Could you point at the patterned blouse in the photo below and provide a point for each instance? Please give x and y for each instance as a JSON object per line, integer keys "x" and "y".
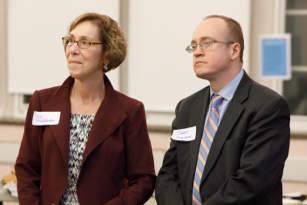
{"x": 80, "y": 127}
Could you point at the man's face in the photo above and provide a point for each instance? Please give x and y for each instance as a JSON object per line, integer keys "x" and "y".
{"x": 211, "y": 63}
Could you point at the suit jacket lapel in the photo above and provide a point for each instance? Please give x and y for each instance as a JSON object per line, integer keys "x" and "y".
{"x": 229, "y": 120}
{"x": 198, "y": 116}
{"x": 108, "y": 117}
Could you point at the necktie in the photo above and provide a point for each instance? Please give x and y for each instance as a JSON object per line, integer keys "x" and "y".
{"x": 205, "y": 145}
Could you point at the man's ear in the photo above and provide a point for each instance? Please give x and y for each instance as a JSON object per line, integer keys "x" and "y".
{"x": 236, "y": 49}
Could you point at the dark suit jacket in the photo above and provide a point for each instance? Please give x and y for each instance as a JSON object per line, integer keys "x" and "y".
{"x": 246, "y": 160}
{"x": 117, "y": 166}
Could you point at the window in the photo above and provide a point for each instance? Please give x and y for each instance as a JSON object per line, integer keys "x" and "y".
{"x": 21, "y": 104}
{"x": 26, "y": 99}
{"x": 295, "y": 90}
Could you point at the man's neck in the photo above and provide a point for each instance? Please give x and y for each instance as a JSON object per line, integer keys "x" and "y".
{"x": 219, "y": 82}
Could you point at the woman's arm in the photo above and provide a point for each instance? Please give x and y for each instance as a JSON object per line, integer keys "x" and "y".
{"x": 140, "y": 170}
{"x": 28, "y": 163}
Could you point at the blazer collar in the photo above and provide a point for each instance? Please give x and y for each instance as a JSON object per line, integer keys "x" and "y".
{"x": 108, "y": 117}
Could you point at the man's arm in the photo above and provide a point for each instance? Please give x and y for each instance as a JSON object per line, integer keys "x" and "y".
{"x": 167, "y": 188}
{"x": 262, "y": 159}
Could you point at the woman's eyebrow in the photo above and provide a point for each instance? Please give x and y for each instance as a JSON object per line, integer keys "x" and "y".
{"x": 81, "y": 37}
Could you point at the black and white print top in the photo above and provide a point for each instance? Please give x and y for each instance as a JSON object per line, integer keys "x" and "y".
{"x": 80, "y": 127}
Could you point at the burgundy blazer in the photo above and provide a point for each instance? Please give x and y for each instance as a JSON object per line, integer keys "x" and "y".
{"x": 117, "y": 166}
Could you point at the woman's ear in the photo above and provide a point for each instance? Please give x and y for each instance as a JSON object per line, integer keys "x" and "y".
{"x": 104, "y": 61}
{"x": 104, "y": 65}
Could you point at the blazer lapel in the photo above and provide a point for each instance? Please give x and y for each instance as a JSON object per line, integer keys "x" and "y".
{"x": 198, "y": 116}
{"x": 61, "y": 102}
{"x": 108, "y": 117}
{"x": 229, "y": 120}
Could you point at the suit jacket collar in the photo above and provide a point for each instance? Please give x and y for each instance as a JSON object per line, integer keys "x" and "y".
{"x": 232, "y": 114}
{"x": 108, "y": 117}
{"x": 198, "y": 116}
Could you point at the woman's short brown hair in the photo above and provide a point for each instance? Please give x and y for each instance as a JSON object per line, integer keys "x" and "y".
{"x": 114, "y": 45}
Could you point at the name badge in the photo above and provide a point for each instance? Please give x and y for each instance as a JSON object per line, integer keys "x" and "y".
{"x": 45, "y": 118}
{"x": 187, "y": 134}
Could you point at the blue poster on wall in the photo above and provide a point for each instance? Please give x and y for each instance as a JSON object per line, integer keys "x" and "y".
{"x": 275, "y": 56}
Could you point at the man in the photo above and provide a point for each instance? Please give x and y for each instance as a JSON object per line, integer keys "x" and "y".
{"x": 241, "y": 129}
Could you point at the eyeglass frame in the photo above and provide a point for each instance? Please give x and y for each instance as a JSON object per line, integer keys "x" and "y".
{"x": 209, "y": 44}
{"x": 66, "y": 37}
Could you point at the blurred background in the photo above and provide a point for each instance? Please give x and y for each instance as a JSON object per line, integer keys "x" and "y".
{"x": 157, "y": 70}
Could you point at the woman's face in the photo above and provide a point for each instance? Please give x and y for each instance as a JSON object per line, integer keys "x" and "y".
{"x": 84, "y": 63}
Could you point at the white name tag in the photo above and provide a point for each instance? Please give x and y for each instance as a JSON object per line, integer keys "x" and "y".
{"x": 46, "y": 118}
{"x": 187, "y": 134}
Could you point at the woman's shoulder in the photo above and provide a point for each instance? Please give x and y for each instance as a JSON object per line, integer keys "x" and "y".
{"x": 127, "y": 102}
{"x": 60, "y": 90}
{"x": 124, "y": 98}
{"x": 44, "y": 95}
{"x": 48, "y": 91}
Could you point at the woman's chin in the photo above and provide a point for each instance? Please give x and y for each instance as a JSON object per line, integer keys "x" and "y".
{"x": 75, "y": 75}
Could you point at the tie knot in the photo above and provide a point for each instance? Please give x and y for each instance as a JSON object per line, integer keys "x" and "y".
{"x": 216, "y": 100}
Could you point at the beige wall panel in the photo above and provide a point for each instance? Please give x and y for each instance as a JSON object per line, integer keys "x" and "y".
{"x": 160, "y": 70}
{"x": 36, "y": 58}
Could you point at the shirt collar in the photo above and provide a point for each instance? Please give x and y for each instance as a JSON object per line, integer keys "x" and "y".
{"x": 228, "y": 91}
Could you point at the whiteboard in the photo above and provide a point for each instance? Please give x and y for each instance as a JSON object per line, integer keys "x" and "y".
{"x": 36, "y": 57}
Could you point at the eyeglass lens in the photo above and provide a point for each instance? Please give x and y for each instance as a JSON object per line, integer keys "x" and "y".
{"x": 80, "y": 43}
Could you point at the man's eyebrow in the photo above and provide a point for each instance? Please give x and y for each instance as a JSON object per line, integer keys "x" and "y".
{"x": 202, "y": 38}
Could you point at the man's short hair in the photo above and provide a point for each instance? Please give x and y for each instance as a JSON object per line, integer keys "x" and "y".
{"x": 235, "y": 31}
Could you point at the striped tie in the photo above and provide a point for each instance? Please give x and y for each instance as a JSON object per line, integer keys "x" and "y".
{"x": 205, "y": 145}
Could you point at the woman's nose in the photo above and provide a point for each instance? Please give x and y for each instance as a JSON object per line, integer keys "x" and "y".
{"x": 74, "y": 48}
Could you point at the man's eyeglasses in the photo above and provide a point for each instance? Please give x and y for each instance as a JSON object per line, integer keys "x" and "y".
{"x": 83, "y": 44}
{"x": 203, "y": 44}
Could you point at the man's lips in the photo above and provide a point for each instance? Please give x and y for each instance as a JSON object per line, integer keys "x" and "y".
{"x": 199, "y": 62}
{"x": 74, "y": 61}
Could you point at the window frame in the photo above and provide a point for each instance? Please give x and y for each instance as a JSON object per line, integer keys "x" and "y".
{"x": 297, "y": 122}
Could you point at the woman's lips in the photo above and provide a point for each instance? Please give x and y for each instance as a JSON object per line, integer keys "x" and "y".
{"x": 74, "y": 61}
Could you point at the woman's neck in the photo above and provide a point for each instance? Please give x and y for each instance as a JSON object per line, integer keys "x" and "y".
{"x": 87, "y": 95}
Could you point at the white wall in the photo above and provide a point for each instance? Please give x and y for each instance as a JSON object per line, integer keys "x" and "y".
{"x": 160, "y": 70}
{"x": 36, "y": 58}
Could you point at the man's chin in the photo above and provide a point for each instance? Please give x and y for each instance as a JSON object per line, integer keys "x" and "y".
{"x": 202, "y": 75}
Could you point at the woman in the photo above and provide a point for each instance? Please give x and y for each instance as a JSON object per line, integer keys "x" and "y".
{"x": 99, "y": 151}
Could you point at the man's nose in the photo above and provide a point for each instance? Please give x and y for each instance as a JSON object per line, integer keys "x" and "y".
{"x": 199, "y": 51}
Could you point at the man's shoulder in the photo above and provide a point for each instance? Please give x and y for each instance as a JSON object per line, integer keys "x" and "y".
{"x": 263, "y": 91}
{"x": 255, "y": 96}
{"x": 197, "y": 95}
{"x": 249, "y": 88}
